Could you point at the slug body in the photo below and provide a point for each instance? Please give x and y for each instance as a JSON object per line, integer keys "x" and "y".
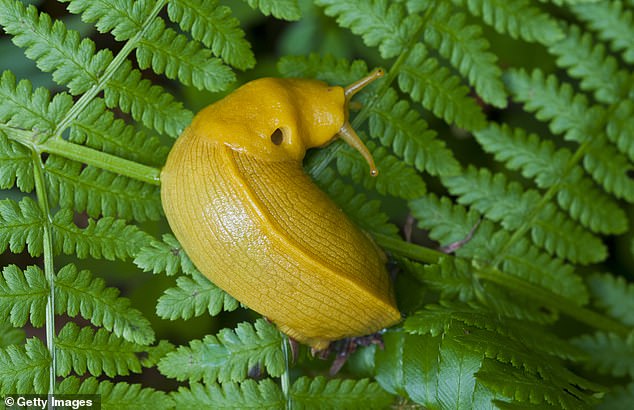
{"x": 237, "y": 199}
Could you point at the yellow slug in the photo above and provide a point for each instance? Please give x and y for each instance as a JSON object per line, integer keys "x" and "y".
{"x": 238, "y": 200}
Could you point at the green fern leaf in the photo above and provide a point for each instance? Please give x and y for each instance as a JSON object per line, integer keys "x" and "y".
{"x": 609, "y": 168}
{"x": 147, "y": 103}
{"x": 526, "y": 387}
{"x": 21, "y": 225}
{"x": 321, "y": 393}
{"x": 97, "y": 127}
{"x": 608, "y": 353}
{"x": 25, "y": 108}
{"x": 281, "y": 9}
{"x": 395, "y": 124}
{"x": 192, "y": 297}
{"x": 78, "y": 293}
{"x": 620, "y": 127}
{"x": 364, "y": 212}
{"x": 166, "y": 51}
{"x": 24, "y": 369}
{"x": 100, "y": 192}
{"x": 214, "y": 26}
{"x": 23, "y": 295}
{"x": 325, "y": 68}
{"x": 167, "y": 256}
{"x": 438, "y": 90}
{"x": 264, "y": 394}
{"x": 16, "y": 165}
{"x": 379, "y": 22}
{"x": 567, "y": 111}
{"x": 509, "y": 204}
{"x": 10, "y": 335}
{"x": 118, "y": 396}
{"x": 519, "y": 19}
{"x": 107, "y": 237}
{"x": 53, "y": 47}
{"x": 587, "y": 61}
{"x": 395, "y": 178}
{"x": 228, "y": 356}
{"x": 613, "y": 21}
{"x": 83, "y": 350}
{"x": 450, "y": 276}
{"x": 538, "y": 160}
{"x": 613, "y": 294}
{"x": 467, "y": 50}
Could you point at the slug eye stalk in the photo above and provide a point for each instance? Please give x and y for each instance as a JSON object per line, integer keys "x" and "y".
{"x": 346, "y": 132}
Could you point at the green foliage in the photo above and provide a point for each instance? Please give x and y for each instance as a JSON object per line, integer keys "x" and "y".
{"x": 503, "y": 131}
{"x": 228, "y": 356}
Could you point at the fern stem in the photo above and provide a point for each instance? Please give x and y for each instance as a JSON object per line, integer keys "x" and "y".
{"x": 101, "y": 160}
{"x": 408, "y": 250}
{"x": 109, "y": 72}
{"x": 486, "y": 272}
{"x": 551, "y": 300}
{"x": 49, "y": 267}
{"x": 285, "y": 379}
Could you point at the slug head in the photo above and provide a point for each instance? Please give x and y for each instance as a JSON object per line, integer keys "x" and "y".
{"x": 279, "y": 119}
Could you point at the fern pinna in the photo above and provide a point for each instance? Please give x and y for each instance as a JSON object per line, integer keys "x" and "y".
{"x": 519, "y": 168}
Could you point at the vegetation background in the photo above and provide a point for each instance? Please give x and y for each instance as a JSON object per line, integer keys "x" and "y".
{"x": 512, "y": 121}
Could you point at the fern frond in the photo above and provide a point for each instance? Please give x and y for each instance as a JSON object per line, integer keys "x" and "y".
{"x": 539, "y": 160}
{"x": 10, "y": 335}
{"x": 321, "y": 393}
{"x": 509, "y": 204}
{"x": 398, "y": 126}
{"x": 613, "y": 294}
{"x": 100, "y": 192}
{"x": 467, "y": 50}
{"x": 192, "y": 297}
{"x": 167, "y": 256}
{"x": 213, "y": 25}
{"x": 379, "y": 22}
{"x": 83, "y": 350}
{"x": 78, "y": 293}
{"x": 587, "y": 61}
{"x": 227, "y": 356}
{"x": 54, "y": 48}
{"x": 23, "y": 295}
{"x": 118, "y": 395}
{"x": 364, "y": 212}
{"x": 568, "y": 113}
{"x": 281, "y": 9}
{"x": 620, "y": 127}
{"x": 21, "y": 225}
{"x": 438, "y": 90}
{"x": 451, "y": 277}
{"x": 608, "y": 353}
{"x": 24, "y": 369}
{"x": 16, "y": 165}
{"x": 107, "y": 237}
{"x": 526, "y": 387}
{"x": 22, "y": 107}
{"x": 166, "y": 51}
{"x": 97, "y": 127}
{"x": 264, "y": 394}
{"x": 323, "y": 67}
{"x": 613, "y": 21}
{"x": 147, "y": 103}
{"x": 395, "y": 178}
{"x": 519, "y": 19}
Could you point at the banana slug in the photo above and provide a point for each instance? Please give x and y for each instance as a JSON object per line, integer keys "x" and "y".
{"x": 238, "y": 200}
